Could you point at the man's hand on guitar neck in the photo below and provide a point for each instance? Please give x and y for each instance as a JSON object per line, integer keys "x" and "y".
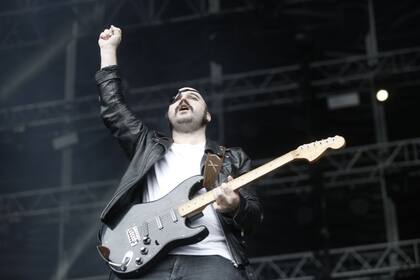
{"x": 227, "y": 200}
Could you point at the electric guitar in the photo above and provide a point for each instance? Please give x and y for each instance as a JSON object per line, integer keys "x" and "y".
{"x": 148, "y": 231}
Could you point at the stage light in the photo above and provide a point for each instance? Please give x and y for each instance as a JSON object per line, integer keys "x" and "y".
{"x": 382, "y": 95}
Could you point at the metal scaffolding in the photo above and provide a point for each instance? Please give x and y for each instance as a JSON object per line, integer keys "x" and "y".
{"x": 344, "y": 263}
{"x": 21, "y": 26}
{"x": 241, "y": 91}
{"x": 349, "y": 167}
{"x": 49, "y": 200}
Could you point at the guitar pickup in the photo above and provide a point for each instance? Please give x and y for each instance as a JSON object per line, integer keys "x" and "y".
{"x": 145, "y": 229}
{"x": 173, "y": 216}
{"x": 159, "y": 222}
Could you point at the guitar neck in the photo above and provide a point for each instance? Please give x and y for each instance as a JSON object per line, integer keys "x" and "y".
{"x": 198, "y": 203}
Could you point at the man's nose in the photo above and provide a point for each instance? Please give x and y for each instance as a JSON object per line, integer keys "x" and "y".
{"x": 183, "y": 100}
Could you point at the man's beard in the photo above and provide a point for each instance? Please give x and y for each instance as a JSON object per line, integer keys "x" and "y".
{"x": 189, "y": 125}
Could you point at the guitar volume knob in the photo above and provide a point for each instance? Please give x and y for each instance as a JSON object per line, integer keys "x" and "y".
{"x": 144, "y": 250}
{"x": 146, "y": 240}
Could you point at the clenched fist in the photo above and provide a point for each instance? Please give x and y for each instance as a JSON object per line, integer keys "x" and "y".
{"x": 110, "y": 38}
{"x": 108, "y": 42}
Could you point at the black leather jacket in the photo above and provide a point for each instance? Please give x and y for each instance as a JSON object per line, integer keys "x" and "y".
{"x": 145, "y": 147}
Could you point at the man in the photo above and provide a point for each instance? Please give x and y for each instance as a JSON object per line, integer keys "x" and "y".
{"x": 158, "y": 164}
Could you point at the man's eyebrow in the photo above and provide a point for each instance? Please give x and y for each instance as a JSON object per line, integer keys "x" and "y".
{"x": 189, "y": 93}
{"x": 195, "y": 94}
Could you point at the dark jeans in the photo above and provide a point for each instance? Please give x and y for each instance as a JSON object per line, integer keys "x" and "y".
{"x": 180, "y": 267}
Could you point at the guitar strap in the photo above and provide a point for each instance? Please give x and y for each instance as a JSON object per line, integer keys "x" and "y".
{"x": 212, "y": 168}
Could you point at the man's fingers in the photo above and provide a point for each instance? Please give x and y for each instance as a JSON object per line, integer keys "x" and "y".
{"x": 216, "y": 206}
{"x": 226, "y": 189}
{"x": 220, "y": 196}
{"x": 115, "y": 29}
{"x": 226, "y": 199}
{"x": 217, "y": 193}
{"x": 108, "y": 32}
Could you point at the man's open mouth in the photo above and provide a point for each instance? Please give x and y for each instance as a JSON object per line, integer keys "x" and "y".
{"x": 184, "y": 107}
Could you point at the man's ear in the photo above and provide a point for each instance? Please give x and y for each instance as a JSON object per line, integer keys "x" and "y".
{"x": 208, "y": 117}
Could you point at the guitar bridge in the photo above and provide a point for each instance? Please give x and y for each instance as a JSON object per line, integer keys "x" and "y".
{"x": 133, "y": 236}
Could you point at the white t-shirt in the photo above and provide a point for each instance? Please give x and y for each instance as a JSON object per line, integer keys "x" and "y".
{"x": 181, "y": 162}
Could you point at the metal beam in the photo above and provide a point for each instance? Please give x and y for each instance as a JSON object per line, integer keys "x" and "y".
{"x": 264, "y": 87}
{"x": 153, "y": 12}
{"x": 48, "y": 201}
{"x": 352, "y": 166}
{"x": 348, "y": 167}
{"x": 21, "y": 23}
{"x": 346, "y": 262}
{"x": 66, "y": 154}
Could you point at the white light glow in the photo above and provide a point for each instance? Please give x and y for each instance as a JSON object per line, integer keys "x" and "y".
{"x": 382, "y": 95}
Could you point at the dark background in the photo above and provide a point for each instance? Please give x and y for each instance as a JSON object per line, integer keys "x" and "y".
{"x": 243, "y": 36}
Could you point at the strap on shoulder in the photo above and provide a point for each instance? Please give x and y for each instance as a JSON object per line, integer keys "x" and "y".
{"x": 212, "y": 168}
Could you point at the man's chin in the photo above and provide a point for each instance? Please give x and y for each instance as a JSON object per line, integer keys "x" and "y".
{"x": 183, "y": 121}
{"x": 186, "y": 126}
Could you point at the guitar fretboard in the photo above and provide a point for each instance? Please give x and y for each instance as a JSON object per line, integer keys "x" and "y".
{"x": 198, "y": 203}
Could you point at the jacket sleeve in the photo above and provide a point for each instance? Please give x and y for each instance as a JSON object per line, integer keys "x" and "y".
{"x": 116, "y": 115}
{"x": 249, "y": 215}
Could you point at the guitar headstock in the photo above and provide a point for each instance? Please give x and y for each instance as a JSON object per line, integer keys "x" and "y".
{"x": 314, "y": 150}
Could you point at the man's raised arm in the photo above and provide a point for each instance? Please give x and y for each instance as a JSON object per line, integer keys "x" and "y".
{"x": 122, "y": 123}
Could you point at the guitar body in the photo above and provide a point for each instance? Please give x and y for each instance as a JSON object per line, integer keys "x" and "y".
{"x": 148, "y": 231}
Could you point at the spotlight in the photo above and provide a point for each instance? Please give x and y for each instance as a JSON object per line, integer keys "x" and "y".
{"x": 382, "y": 95}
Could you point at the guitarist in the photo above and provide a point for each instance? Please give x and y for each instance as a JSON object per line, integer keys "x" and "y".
{"x": 159, "y": 163}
